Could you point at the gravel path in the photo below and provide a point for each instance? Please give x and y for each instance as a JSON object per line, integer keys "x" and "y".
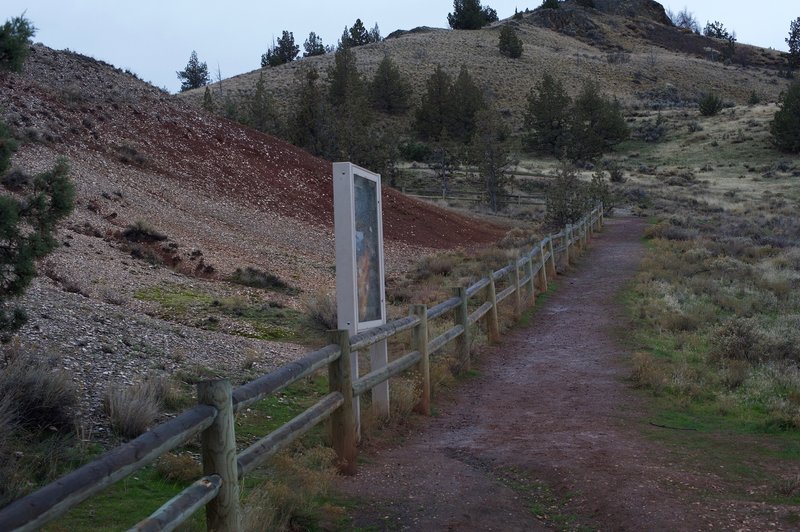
{"x": 549, "y": 435}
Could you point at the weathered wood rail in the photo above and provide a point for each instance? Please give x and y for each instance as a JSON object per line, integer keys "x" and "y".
{"x": 213, "y": 417}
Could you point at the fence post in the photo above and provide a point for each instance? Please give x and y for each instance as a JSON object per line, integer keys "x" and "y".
{"x": 218, "y": 443}
{"x": 542, "y": 270}
{"x": 551, "y": 268}
{"x": 602, "y": 215}
{"x": 420, "y": 343}
{"x": 343, "y": 420}
{"x": 531, "y": 285}
{"x": 462, "y": 318}
{"x": 517, "y": 287}
{"x": 567, "y": 238}
{"x": 492, "y": 323}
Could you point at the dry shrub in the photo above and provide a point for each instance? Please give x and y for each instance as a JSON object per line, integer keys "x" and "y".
{"x": 441, "y": 371}
{"x": 288, "y": 500}
{"x": 518, "y": 238}
{"x": 132, "y": 410}
{"x": 734, "y": 373}
{"x": 321, "y": 311}
{"x": 441, "y": 264}
{"x": 178, "y": 468}
{"x": 647, "y": 373}
{"x": 493, "y": 259}
{"x": 736, "y": 339}
{"x": 757, "y": 340}
{"x": 667, "y": 231}
{"x": 35, "y": 395}
{"x": 404, "y": 395}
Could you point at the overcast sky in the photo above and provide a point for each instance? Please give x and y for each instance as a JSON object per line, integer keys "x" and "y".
{"x": 155, "y": 38}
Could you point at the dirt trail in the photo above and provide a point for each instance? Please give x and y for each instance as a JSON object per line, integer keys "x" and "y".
{"x": 548, "y": 436}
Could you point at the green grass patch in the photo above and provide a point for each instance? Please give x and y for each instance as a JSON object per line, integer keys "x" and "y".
{"x": 124, "y": 504}
{"x": 242, "y": 316}
{"x": 136, "y": 497}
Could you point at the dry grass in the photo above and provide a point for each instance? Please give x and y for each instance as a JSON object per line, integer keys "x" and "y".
{"x": 648, "y": 76}
{"x": 287, "y": 500}
{"x": 718, "y": 296}
{"x": 321, "y": 311}
{"x": 132, "y": 410}
{"x": 178, "y": 468}
{"x": 34, "y": 394}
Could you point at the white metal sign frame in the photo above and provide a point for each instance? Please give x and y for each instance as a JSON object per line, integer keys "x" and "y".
{"x": 360, "y": 287}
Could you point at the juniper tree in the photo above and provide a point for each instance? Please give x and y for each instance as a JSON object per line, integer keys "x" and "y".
{"x": 465, "y": 100}
{"x": 309, "y": 116}
{"x": 597, "y": 124}
{"x": 432, "y": 116}
{"x": 470, "y": 15}
{"x": 261, "y": 109}
{"x": 510, "y": 44}
{"x": 313, "y": 45}
{"x": 389, "y": 90}
{"x": 547, "y": 116}
{"x": 27, "y": 230}
{"x": 15, "y": 36}
{"x": 282, "y": 52}
{"x": 208, "y": 100}
{"x": 359, "y": 36}
{"x": 793, "y": 40}
{"x": 195, "y": 75}
{"x": 490, "y": 153}
{"x": 785, "y": 126}
{"x": 351, "y": 114}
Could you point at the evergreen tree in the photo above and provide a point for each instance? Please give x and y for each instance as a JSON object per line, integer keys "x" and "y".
{"x": 282, "y": 52}
{"x": 351, "y": 115}
{"x": 793, "y": 40}
{"x": 566, "y": 197}
{"x": 547, "y": 116}
{"x": 375, "y": 34}
{"x": 389, "y": 90}
{"x": 261, "y": 109}
{"x": 208, "y": 100}
{"x": 308, "y": 119}
{"x": 432, "y": 117}
{"x": 359, "y": 36}
{"x": 465, "y": 100}
{"x": 785, "y": 127}
{"x": 489, "y": 152}
{"x": 470, "y": 15}
{"x": 7, "y": 148}
{"x": 313, "y": 45}
{"x": 344, "y": 80}
{"x": 27, "y": 231}
{"x": 550, "y": 4}
{"x": 510, "y": 44}
{"x": 15, "y": 37}
{"x": 597, "y": 124}
{"x": 195, "y": 75}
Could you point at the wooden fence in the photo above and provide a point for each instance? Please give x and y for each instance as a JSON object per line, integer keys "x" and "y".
{"x": 213, "y": 417}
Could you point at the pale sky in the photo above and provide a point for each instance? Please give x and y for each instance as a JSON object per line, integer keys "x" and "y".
{"x": 155, "y": 38}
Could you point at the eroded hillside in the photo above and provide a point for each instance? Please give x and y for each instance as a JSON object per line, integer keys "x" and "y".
{"x": 211, "y": 196}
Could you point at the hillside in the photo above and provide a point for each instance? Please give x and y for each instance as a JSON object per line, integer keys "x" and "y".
{"x": 214, "y": 195}
{"x": 628, "y": 48}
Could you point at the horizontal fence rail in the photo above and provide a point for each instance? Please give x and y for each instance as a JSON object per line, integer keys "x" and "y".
{"x": 213, "y": 419}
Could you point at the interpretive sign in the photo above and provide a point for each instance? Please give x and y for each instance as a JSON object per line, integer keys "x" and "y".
{"x": 360, "y": 294}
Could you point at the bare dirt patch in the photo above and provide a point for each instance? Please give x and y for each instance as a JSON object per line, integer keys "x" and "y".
{"x": 550, "y": 435}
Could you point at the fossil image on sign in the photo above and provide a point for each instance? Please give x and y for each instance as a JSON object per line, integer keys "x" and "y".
{"x": 367, "y": 246}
